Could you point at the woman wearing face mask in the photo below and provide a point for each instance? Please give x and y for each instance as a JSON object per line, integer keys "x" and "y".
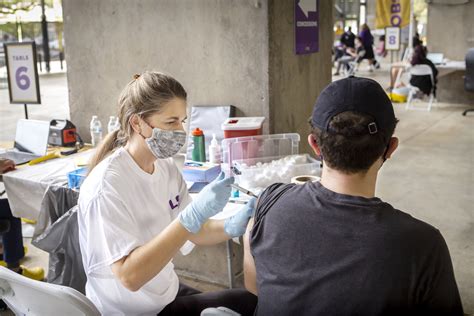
{"x": 135, "y": 212}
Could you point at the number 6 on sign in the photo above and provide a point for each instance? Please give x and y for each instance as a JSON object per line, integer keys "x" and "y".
{"x": 22, "y": 80}
{"x": 23, "y": 83}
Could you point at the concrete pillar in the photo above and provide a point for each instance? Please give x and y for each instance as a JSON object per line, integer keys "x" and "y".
{"x": 450, "y": 28}
{"x": 222, "y": 51}
{"x": 371, "y": 13}
{"x": 296, "y": 80}
{"x": 218, "y": 50}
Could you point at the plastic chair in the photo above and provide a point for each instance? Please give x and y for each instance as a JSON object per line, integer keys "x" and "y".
{"x": 29, "y": 297}
{"x": 420, "y": 70}
{"x": 219, "y": 311}
{"x": 350, "y": 69}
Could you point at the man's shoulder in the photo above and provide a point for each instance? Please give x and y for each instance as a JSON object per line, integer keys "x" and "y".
{"x": 407, "y": 221}
{"x": 269, "y": 196}
{"x": 403, "y": 228}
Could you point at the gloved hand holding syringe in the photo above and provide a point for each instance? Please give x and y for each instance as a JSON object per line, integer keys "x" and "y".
{"x": 245, "y": 191}
{"x": 210, "y": 201}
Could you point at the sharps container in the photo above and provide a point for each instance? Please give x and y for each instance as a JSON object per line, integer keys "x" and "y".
{"x": 242, "y": 126}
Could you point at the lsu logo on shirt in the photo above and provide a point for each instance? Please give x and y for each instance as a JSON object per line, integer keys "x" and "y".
{"x": 174, "y": 203}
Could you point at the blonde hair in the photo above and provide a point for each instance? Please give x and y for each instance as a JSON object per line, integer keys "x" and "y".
{"x": 145, "y": 95}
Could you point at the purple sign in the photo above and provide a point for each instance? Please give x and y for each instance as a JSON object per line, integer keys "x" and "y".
{"x": 306, "y": 26}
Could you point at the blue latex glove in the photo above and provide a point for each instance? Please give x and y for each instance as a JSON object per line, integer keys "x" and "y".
{"x": 236, "y": 225}
{"x": 210, "y": 201}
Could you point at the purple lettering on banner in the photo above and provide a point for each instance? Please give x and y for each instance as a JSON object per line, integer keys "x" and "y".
{"x": 306, "y": 26}
{"x": 396, "y": 8}
{"x": 395, "y": 20}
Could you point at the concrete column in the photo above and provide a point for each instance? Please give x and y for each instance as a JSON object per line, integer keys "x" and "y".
{"x": 218, "y": 50}
{"x": 450, "y": 28}
{"x": 222, "y": 51}
{"x": 295, "y": 81}
{"x": 371, "y": 13}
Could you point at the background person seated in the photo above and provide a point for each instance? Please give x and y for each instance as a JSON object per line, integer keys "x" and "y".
{"x": 351, "y": 55}
{"x": 423, "y": 82}
{"x": 332, "y": 247}
{"x": 380, "y": 49}
{"x": 418, "y": 57}
{"x": 348, "y": 38}
{"x": 11, "y": 249}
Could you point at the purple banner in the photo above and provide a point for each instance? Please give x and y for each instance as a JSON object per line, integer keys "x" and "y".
{"x": 306, "y": 26}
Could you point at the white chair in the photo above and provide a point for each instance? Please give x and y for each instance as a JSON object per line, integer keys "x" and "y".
{"x": 420, "y": 70}
{"x": 351, "y": 69}
{"x": 29, "y": 297}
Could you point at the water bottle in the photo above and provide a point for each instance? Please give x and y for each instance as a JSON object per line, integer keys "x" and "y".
{"x": 96, "y": 131}
{"x": 199, "y": 150}
{"x": 113, "y": 124}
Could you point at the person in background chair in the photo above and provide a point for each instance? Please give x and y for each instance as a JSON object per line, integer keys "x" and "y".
{"x": 11, "y": 248}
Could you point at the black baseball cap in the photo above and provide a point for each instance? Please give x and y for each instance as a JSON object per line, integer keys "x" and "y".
{"x": 356, "y": 94}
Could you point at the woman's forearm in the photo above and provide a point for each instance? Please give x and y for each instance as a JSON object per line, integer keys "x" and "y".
{"x": 146, "y": 261}
{"x": 211, "y": 233}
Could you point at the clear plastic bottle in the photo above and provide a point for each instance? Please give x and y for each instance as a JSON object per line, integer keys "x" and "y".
{"x": 113, "y": 124}
{"x": 214, "y": 151}
{"x": 96, "y": 131}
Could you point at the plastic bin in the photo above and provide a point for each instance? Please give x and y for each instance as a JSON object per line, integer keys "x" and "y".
{"x": 242, "y": 126}
{"x": 76, "y": 177}
{"x": 258, "y": 161}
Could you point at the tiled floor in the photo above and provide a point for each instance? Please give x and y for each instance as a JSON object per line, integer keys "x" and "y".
{"x": 431, "y": 176}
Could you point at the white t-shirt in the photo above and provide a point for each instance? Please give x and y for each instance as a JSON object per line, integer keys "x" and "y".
{"x": 122, "y": 207}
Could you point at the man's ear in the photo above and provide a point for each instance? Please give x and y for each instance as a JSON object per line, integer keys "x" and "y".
{"x": 392, "y": 146}
{"x": 314, "y": 145}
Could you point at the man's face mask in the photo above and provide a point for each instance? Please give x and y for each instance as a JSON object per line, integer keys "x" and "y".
{"x": 165, "y": 143}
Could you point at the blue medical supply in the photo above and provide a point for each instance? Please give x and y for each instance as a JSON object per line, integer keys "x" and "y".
{"x": 76, "y": 177}
{"x": 195, "y": 171}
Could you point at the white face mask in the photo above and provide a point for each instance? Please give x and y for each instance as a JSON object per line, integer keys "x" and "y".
{"x": 164, "y": 144}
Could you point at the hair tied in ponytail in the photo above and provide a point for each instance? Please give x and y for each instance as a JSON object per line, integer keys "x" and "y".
{"x": 142, "y": 97}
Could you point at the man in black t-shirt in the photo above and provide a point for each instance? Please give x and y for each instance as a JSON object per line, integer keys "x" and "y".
{"x": 332, "y": 247}
{"x": 348, "y": 38}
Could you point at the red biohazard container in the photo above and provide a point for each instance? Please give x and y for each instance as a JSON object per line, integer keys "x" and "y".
{"x": 242, "y": 126}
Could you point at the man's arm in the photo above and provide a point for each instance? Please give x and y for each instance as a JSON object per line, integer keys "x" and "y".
{"x": 250, "y": 272}
{"x": 442, "y": 294}
{"x": 6, "y": 165}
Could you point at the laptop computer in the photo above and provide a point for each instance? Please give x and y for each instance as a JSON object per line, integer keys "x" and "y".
{"x": 31, "y": 141}
{"x": 436, "y": 58}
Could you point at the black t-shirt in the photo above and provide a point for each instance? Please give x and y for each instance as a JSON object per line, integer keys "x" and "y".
{"x": 348, "y": 39}
{"x": 318, "y": 252}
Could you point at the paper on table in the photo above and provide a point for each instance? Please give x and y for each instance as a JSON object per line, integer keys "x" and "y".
{"x": 82, "y": 161}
